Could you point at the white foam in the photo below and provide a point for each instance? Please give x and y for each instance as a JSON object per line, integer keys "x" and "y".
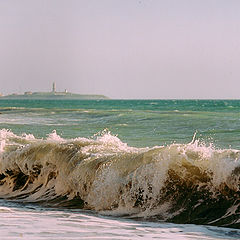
{"x": 107, "y": 174}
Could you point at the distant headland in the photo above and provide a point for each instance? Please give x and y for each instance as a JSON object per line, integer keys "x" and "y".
{"x": 52, "y": 95}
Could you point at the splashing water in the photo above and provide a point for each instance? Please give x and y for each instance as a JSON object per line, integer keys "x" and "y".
{"x": 181, "y": 183}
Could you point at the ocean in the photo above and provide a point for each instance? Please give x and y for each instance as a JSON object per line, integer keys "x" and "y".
{"x": 119, "y": 169}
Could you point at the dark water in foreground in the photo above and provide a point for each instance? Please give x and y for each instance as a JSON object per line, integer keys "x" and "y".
{"x": 164, "y": 161}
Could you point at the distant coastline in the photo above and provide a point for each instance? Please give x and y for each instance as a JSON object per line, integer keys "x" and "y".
{"x": 52, "y": 95}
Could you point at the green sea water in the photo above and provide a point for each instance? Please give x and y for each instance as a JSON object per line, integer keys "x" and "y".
{"x": 139, "y": 123}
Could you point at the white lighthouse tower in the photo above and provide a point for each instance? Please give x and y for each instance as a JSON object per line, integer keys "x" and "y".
{"x": 54, "y": 87}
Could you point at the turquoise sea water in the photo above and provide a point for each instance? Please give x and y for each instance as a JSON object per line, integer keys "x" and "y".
{"x": 137, "y": 122}
{"x": 149, "y": 168}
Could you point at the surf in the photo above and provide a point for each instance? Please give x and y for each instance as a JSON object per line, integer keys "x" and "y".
{"x": 180, "y": 183}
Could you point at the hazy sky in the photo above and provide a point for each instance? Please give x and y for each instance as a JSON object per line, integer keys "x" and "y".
{"x": 122, "y": 48}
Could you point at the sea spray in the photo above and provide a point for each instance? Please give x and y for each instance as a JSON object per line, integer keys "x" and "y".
{"x": 183, "y": 183}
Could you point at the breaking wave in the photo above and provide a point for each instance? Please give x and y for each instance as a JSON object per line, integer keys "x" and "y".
{"x": 180, "y": 183}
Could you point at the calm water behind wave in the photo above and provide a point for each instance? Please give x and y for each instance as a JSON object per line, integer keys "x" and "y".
{"x": 140, "y": 123}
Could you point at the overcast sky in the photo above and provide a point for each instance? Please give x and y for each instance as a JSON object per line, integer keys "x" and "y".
{"x": 122, "y": 48}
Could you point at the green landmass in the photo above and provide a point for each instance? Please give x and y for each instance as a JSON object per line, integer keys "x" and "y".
{"x": 52, "y": 95}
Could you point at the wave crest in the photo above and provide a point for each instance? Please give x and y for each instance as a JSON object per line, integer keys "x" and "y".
{"x": 182, "y": 183}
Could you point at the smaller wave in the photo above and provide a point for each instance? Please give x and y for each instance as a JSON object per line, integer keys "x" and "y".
{"x": 9, "y": 109}
{"x": 181, "y": 183}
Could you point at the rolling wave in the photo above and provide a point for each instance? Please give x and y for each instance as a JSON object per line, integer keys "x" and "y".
{"x": 180, "y": 183}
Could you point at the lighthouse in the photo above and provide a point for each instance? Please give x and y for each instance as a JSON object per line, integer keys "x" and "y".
{"x": 54, "y": 87}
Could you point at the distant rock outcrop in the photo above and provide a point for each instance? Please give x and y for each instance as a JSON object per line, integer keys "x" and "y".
{"x": 53, "y": 95}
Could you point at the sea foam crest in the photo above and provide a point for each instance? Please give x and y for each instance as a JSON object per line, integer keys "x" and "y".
{"x": 187, "y": 183}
